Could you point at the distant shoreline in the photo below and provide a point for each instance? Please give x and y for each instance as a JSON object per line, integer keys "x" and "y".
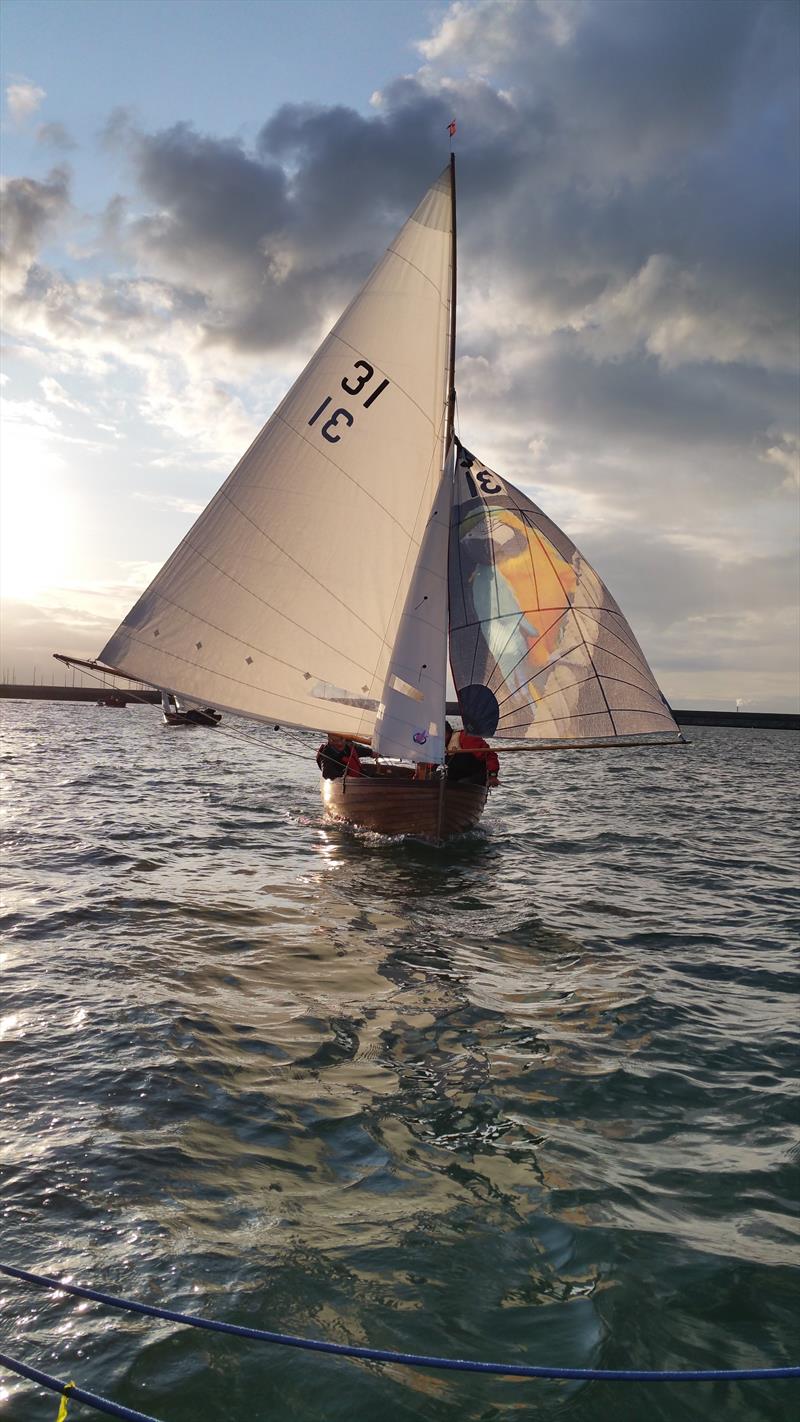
{"x": 761, "y": 720}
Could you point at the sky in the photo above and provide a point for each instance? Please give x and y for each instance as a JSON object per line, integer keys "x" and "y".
{"x": 194, "y": 189}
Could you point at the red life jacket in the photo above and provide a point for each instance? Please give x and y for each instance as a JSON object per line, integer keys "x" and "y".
{"x": 354, "y": 763}
{"x": 461, "y": 742}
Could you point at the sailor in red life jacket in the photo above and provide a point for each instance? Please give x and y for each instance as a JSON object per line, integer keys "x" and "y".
{"x": 469, "y": 757}
{"x": 339, "y": 754}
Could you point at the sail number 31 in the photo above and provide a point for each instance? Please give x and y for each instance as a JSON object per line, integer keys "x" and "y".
{"x": 352, "y": 385}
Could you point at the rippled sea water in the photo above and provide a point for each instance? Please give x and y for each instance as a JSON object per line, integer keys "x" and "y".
{"x": 529, "y": 1098}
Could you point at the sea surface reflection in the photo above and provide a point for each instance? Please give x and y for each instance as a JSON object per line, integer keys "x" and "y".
{"x": 529, "y": 1097}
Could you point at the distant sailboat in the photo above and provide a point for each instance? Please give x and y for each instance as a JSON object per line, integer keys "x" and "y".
{"x": 179, "y": 711}
{"x": 318, "y": 587}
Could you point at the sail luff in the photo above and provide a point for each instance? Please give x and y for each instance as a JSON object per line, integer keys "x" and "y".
{"x": 451, "y": 360}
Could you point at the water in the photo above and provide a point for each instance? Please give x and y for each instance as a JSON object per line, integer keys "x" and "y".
{"x": 528, "y": 1098}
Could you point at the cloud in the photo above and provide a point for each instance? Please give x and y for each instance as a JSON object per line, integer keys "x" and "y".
{"x": 55, "y": 394}
{"x": 28, "y": 211}
{"x": 23, "y": 99}
{"x": 55, "y": 135}
{"x": 628, "y": 195}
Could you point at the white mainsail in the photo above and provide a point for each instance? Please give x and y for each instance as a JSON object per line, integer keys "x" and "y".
{"x": 284, "y": 599}
{"x": 410, "y": 720}
{"x": 538, "y": 646}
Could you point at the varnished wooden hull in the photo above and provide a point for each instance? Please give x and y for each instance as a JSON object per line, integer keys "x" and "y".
{"x": 389, "y": 805}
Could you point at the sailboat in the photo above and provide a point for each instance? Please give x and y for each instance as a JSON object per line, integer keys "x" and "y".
{"x": 181, "y": 712}
{"x": 357, "y": 537}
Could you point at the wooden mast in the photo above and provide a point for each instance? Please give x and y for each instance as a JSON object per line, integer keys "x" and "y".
{"x": 451, "y": 360}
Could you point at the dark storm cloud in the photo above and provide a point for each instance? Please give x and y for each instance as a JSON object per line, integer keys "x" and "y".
{"x": 214, "y": 200}
{"x": 627, "y": 173}
{"x": 29, "y": 209}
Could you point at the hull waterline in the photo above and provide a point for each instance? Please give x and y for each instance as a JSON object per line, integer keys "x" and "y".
{"x": 430, "y": 810}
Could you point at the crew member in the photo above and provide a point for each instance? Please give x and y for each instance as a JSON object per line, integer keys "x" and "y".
{"x": 469, "y": 758}
{"x": 339, "y": 754}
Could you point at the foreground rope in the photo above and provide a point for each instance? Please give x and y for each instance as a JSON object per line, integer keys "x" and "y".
{"x": 416, "y": 1360}
{"x": 101, "y": 1404}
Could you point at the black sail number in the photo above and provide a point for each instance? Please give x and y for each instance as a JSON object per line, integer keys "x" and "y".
{"x": 352, "y": 385}
{"x": 359, "y": 384}
{"x": 488, "y": 482}
{"x": 333, "y": 422}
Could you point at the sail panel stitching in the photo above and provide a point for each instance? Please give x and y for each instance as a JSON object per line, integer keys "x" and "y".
{"x": 253, "y": 646}
{"x": 582, "y": 715}
{"x": 553, "y": 662}
{"x": 577, "y": 623}
{"x": 419, "y": 272}
{"x": 297, "y": 564}
{"x": 394, "y": 383}
{"x": 527, "y": 653}
{"x": 237, "y": 681}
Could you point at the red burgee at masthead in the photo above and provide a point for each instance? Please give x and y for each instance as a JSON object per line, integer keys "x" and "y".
{"x": 451, "y": 128}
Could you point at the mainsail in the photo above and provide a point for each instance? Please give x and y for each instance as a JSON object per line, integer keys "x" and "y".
{"x": 284, "y": 600}
{"x": 539, "y": 649}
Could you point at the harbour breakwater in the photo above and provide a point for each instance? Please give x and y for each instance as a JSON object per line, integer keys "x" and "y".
{"x": 762, "y": 720}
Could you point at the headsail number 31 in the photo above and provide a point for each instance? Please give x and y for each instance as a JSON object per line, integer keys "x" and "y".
{"x": 352, "y": 385}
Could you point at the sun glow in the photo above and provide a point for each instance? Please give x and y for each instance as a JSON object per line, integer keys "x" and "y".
{"x": 37, "y": 519}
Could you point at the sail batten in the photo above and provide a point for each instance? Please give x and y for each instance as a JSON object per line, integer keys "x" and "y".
{"x": 538, "y": 645}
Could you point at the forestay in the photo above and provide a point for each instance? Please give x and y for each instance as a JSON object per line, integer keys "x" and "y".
{"x": 538, "y": 646}
{"x": 284, "y": 599}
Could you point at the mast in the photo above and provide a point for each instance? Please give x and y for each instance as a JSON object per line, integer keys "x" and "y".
{"x": 451, "y": 360}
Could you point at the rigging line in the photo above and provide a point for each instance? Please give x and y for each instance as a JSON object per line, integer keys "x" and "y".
{"x": 383, "y": 1355}
{"x": 79, "y": 1394}
{"x": 623, "y": 742}
{"x": 224, "y": 728}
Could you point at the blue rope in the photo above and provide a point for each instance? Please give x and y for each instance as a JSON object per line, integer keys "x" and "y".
{"x": 416, "y": 1360}
{"x": 102, "y": 1404}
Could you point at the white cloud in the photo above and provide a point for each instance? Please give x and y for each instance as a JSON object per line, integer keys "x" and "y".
{"x": 785, "y": 453}
{"x": 23, "y": 99}
{"x": 55, "y": 394}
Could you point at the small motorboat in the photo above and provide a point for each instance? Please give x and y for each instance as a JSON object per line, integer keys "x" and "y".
{"x": 114, "y": 698}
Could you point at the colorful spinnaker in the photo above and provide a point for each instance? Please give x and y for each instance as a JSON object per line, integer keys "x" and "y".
{"x": 538, "y": 646}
